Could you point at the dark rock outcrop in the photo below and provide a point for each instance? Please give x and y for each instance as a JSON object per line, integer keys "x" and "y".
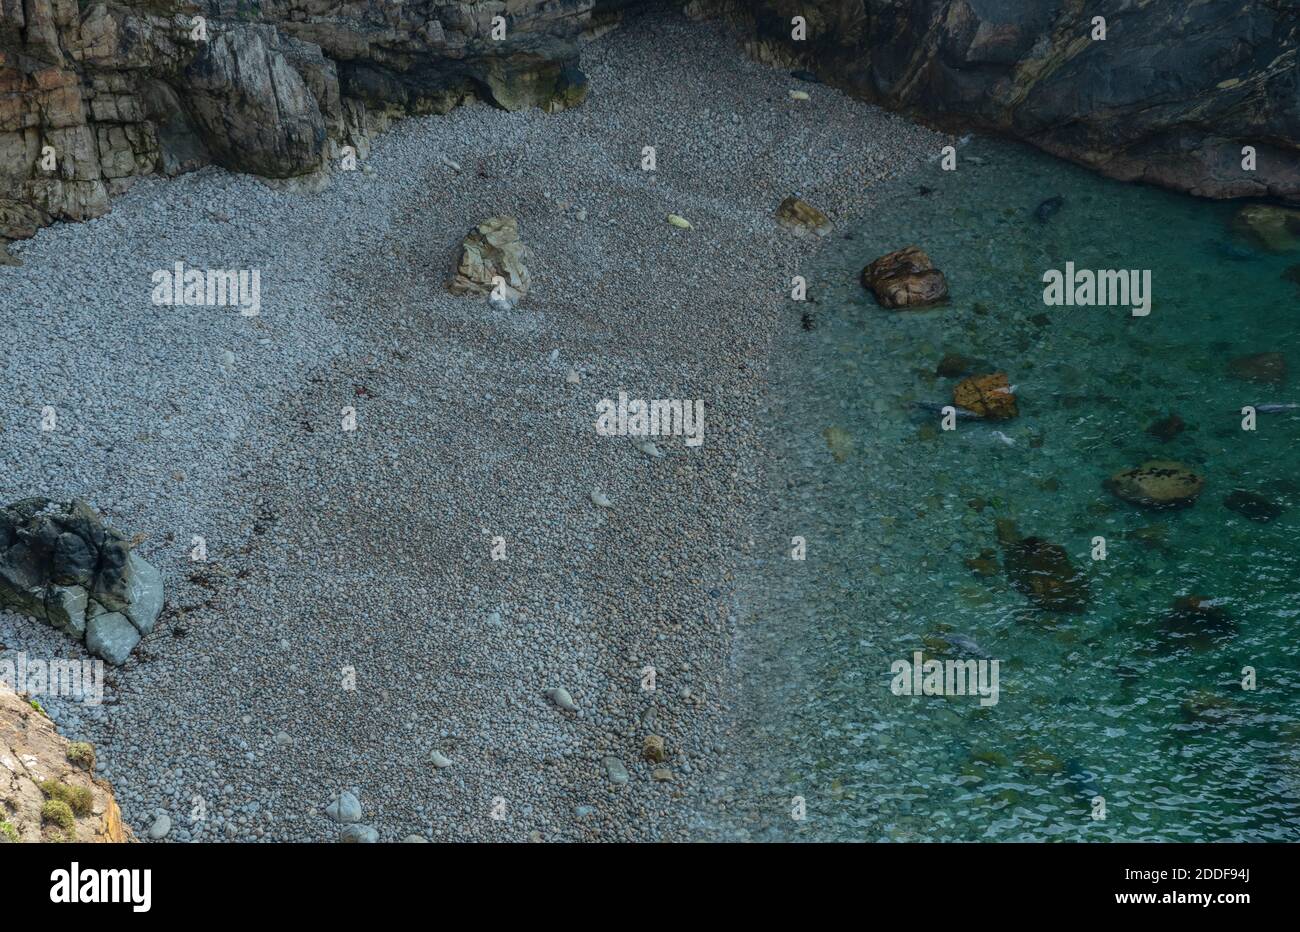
{"x": 94, "y": 94}
{"x": 63, "y": 565}
{"x": 1170, "y": 96}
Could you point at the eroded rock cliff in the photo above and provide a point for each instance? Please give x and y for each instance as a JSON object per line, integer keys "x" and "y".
{"x": 48, "y": 791}
{"x": 1171, "y": 95}
{"x": 93, "y": 94}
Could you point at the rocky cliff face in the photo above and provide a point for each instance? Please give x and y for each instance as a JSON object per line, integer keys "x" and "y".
{"x": 1169, "y": 96}
{"x": 93, "y": 94}
{"x": 47, "y": 788}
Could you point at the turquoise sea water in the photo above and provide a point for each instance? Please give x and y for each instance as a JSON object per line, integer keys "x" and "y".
{"x": 1120, "y": 701}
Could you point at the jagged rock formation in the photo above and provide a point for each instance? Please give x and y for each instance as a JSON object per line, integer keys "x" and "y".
{"x": 38, "y": 770}
{"x": 94, "y": 94}
{"x": 1171, "y": 95}
{"x": 63, "y": 565}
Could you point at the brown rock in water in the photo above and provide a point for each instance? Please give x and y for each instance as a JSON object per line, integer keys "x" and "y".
{"x": 1157, "y": 484}
{"x": 1269, "y": 368}
{"x": 1043, "y": 573}
{"x": 955, "y": 365}
{"x": 1198, "y": 621}
{"x": 1276, "y": 229}
{"x": 1167, "y": 428}
{"x": 802, "y": 217}
{"x": 985, "y": 564}
{"x": 33, "y": 754}
{"x": 492, "y": 249}
{"x": 905, "y": 279}
{"x": 988, "y": 395}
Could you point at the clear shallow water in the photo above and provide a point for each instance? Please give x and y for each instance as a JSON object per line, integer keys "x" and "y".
{"x": 1091, "y": 704}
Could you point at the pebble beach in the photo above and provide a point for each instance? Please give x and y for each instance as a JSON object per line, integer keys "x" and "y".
{"x": 350, "y": 631}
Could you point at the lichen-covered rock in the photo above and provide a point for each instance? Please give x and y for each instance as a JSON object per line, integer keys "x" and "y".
{"x": 987, "y": 395}
{"x": 905, "y": 279}
{"x": 38, "y": 765}
{"x": 802, "y": 217}
{"x": 492, "y": 250}
{"x": 1157, "y": 484}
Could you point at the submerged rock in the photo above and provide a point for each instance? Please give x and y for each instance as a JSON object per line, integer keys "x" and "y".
{"x": 490, "y": 251}
{"x": 905, "y": 279}
{"x": 1167, "y": 428}
{"x": 802, "y": 217}
{"x": 956, "y": 365}
{"x": 1274, "y": 228}
{"x": 1047, "y": 209}
{"x": 1255, "y": 507}
{"x": 1212, "y": 709}
{"x": 1198, "y": 621}
{"x": 986, "y": 395}
{"x": 615, "y": 771}
{"x": 1157, "y": 484}
{"x": 1268, "y": 368}
{"x": 839, "y": 441}
{"x": 1042, "y": 572}
{"x": 359, "y": 835}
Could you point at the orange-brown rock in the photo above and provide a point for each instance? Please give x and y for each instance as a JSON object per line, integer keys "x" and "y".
{"x": 905, "y": 279}
{"x": 34, "y": 761}
{"x": 988, "y": 395}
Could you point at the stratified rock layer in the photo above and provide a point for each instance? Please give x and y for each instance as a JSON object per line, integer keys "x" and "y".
{"x": 94, "y": 94}
{"x": 35, "y": 760}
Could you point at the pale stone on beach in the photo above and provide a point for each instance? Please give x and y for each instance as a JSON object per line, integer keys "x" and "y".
{"x": 492, "y": 251}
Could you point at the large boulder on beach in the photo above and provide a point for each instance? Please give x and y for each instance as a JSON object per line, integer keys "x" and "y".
{"x": 490, "y": 251}
{"x": 905, "y": 279}
{"x": 1267, "y": 368}
{"x": 801, "y": 217}
{"x": 1043, "y": 573}
{"x": 64, "y": 565}
{"x": 987, "y": 395}
{"x": 1157, "y": 484}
